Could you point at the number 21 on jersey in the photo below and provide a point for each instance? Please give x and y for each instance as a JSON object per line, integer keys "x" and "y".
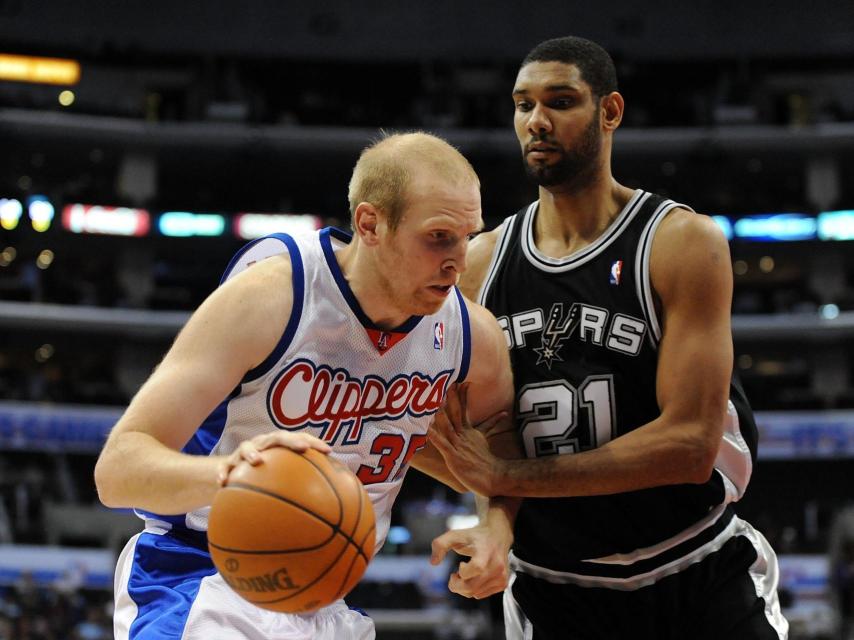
{"x": 556, "y": 417}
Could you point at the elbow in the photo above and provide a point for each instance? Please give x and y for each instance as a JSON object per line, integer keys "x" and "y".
{"x": 104, "y": 483}
{"x": 692, "y": 446}
{"x": 702, "y": 468}
{"x": 700, "y": 456}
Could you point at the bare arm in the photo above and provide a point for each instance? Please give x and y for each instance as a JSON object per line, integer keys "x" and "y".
{"x": 232, "y": 332}
{"x": 489, "y": 387}
{"x": 694, "y": 368}
{"x": 488, "y": 400}
{"x": 430, "y": 462}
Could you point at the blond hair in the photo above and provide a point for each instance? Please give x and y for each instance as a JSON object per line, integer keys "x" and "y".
{"x": 385, "y": 168}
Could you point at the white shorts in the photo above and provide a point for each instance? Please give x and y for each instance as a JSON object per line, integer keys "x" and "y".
{"x": 168, "y": 589}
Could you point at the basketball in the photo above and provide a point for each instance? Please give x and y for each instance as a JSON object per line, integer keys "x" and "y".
{"x": 294, "y": 533}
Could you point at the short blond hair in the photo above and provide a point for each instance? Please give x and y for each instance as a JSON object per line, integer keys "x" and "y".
{"x": 385, "y": 168}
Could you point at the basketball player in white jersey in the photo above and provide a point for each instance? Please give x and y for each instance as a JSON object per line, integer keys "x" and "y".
{"x": 343, "y": 344}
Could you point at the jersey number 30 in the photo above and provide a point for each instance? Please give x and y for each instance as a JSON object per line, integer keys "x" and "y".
{"x": 552, "y": 420}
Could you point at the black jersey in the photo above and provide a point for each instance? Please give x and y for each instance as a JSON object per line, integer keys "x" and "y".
{"x": 583, "y": 336}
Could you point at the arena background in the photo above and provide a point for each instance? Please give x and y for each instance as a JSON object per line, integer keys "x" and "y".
{"x": 124, "y": 191}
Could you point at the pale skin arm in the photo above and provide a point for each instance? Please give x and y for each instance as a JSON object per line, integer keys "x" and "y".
{"x": 695, "y": 365}
{"x": 487, "y": 397}
{"x": 491, "y": 393}
{"x": 233, "y": 331}
{"x": 486, "y": 545}
{"x": 499, "y": 512}
{"x": 430, "y": 462}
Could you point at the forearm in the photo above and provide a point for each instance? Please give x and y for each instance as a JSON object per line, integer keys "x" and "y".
{"x": 499, "y": 514}
{"x": 650, "y": 456}
{"x": 447, "y": 478}
{"x": 430, "y": 462}
{"x": 137, "y": 471}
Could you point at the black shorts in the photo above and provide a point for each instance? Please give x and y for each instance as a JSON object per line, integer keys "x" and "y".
{"x": 717, "y": 598}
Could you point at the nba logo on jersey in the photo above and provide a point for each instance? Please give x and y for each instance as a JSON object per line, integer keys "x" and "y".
{"x": 439, "y": 335}
{"x": 616, "y": 271}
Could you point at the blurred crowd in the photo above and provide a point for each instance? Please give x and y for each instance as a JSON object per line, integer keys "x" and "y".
{"x": 60, "y": 611}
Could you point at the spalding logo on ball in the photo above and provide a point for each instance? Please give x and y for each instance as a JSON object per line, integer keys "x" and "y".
{"x": 293, "y": 534}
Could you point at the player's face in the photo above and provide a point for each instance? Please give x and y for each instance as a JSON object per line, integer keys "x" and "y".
{"x": 425, "y": 255}
{"x": 557, "y": 122}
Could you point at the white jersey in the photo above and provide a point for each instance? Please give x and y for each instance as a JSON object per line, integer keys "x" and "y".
{"x": 370, "y": 393}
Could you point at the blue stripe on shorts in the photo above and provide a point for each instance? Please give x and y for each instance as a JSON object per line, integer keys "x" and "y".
{"x": 164, "y": 582}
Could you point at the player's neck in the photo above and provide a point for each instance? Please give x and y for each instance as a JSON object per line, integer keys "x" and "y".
{"x": 568, "y": 221}
{"x": 361, "y": 276}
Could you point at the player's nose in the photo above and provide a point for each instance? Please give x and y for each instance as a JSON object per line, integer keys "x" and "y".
{"x": 538, "y": 120}
{"x": 457, "y": 261}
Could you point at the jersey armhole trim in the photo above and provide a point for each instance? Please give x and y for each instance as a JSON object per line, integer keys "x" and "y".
{"x": 298, "y": 280}
{"x": 465, "y": 359}
{"x": 235, "y": 266}
{"x": 642, "y": 277}
{"x": 505, "y": 232}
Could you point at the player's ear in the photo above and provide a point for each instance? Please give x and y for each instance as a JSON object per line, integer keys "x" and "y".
{"x": 366, "y": 222}
{"x": 612, "y": 107}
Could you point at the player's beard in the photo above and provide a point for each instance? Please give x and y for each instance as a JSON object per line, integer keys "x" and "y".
{"x": 576, "y": 167}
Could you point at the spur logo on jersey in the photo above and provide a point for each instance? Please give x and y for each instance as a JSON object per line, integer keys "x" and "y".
{"x": 305, "y": 394}
{"x": 586, "y": 323}
{"x": 439, "y": 336}
{"x": 559, "y": 327}
{"x": 616, "y": 272}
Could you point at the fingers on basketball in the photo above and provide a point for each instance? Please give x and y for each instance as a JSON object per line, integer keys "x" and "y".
{"x": 294, "y": 534}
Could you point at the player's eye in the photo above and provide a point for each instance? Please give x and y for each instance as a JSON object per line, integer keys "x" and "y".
{"x": 523, "y": 105}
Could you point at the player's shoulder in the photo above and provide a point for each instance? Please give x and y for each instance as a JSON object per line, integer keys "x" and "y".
{"x": 262, "y": 290}
{"x": 245, "y": 316}
{"x": 482, "y": 246}
{"x": 270, "y": 270}
{"x": 477, "y": 312}
{"x": 484, "y": 325}
{"x": 689, "y": 247}
{"x": 682, "y": 225}
{"x": 480, "y": 251}
{"x": 490, "y": 366}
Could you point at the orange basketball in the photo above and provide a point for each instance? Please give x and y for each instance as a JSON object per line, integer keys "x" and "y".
{"x": 294, "y": 533}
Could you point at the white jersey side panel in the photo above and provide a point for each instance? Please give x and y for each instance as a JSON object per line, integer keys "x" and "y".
{"x": 328, "y": 377}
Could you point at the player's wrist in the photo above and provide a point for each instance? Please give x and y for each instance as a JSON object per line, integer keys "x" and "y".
{"x": 498, "y": 474}
{"x": 499, "y": 526}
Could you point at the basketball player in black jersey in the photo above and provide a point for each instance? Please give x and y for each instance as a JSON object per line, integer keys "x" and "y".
{"x": 635, "y": 440}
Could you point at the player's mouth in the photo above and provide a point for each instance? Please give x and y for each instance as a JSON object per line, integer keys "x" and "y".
{"x": 540, "y": 150}
{"x": 441, "y": 290}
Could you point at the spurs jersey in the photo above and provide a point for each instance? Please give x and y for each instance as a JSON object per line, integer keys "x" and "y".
{"x": 583, "y": 333}
{"x": 370, "y": 393}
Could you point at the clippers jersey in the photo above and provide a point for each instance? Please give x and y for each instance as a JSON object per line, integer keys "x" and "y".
{"x": 371, "y": 394}
{"x": 583, "y": 334}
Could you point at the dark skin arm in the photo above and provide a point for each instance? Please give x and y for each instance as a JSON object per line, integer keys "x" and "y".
{"x": 694, "y": 292}
{"x": 695, "y": 364}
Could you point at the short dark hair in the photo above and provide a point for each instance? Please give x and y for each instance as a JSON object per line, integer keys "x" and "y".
{"x": 594, "y": 63}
